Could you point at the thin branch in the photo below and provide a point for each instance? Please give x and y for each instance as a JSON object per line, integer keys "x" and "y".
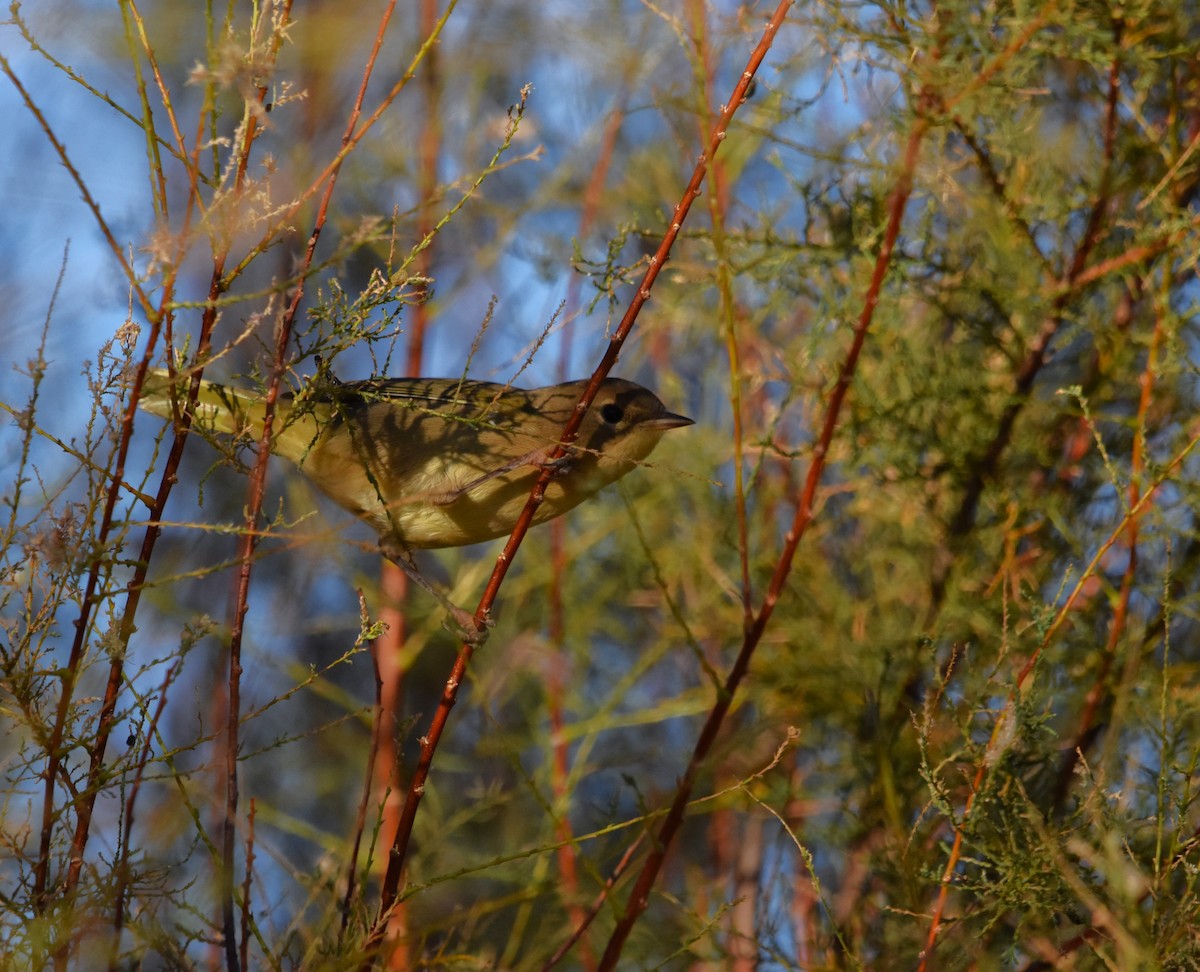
{"x": 983, "y": 469}
{"x": 349, "y": 143}
{"x": 1000, "y": 732}
{"x": 586, "y": 919}
{"x": 360, "y": 820}
{"x": 255, "y": 492}
{"x": 1117, "y": 624}
{"x": 430, "y": 740}
{"x": 122, "y": 865}
{"x": 639, "y": 897}
{"x": 393, "y": 582}
{"x": 88, "y": 199}
{"x": 556, "y": 677}
{"x": 962, "y": 522}
{"x": 247, "y": 880}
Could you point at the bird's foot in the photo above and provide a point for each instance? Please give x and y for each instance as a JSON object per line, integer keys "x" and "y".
{"x": 461, "y": 622}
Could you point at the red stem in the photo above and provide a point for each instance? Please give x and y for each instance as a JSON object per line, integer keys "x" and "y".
{"x": 256, "y": 489}
{"x": 430, "y": 740}
{"x": 640, "y": 896}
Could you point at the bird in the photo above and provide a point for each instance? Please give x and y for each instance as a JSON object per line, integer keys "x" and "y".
{"x": 436, "y": 462}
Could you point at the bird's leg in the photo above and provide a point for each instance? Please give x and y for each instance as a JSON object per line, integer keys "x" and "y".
{"x": 539, "y": 458}
{"x": 469, "y": 629}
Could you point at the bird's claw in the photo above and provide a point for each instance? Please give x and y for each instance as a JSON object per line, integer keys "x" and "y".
{"x": 461, "y": 623}
{"x": 465, "y": 625}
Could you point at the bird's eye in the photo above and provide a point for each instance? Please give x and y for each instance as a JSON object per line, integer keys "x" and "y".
{"x": 612, "y": 413}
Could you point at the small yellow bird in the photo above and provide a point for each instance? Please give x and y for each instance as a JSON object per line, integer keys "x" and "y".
{"x": 438, "y": 462}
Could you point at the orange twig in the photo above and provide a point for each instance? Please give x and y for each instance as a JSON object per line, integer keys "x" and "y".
{"x": 255, "y": 491}
{"x": 965, "y": 517}
{"x": 640, "y": 896}
{"x": 1116, "y": 626}
{"x": 556, "y": 626}
{"x": 430, "y": 740}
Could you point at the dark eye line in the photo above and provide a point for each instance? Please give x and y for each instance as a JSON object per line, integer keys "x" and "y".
{"x": 612, "y": 413}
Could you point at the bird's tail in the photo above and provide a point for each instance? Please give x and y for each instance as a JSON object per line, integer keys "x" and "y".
{"x": 232, "y": 411}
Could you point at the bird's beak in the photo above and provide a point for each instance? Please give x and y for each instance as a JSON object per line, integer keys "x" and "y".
{"x": 667, "y": 421}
